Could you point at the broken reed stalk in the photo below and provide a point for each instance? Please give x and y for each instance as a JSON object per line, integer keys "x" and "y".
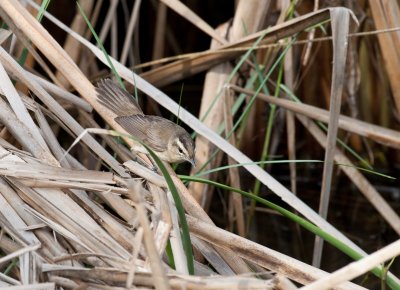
{"x": 160, "y": 279}
{"x": 62, "y": 196}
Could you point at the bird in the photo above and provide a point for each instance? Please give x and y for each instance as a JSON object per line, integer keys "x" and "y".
{"x": 169, "y": 141}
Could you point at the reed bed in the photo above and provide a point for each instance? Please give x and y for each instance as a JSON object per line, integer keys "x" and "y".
{"x": 79, "y": 210}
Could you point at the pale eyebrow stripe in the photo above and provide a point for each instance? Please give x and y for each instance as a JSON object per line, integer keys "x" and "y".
{"x": 180, "y": 144}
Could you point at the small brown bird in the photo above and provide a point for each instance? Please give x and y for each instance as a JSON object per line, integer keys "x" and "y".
{"x": 168, "y": 140}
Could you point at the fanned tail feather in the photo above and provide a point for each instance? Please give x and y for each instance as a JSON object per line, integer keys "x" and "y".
{"x": 116, "y": 99}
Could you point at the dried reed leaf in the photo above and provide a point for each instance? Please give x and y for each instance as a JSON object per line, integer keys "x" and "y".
{"x": 114, "y": 241}
{"x": 178, "y": 70}
{"x": 118, "y": 231}
{"x": 340, "y": 19}
{"x": 131, "y": 27}
{"x": 212, "y": 256}
{"x": 61, "y": 93}
{"x": 357, "y": 268}
{"x": 71, "y": 46}
{"x": 4, "y": 35}
{"x": 266, "y": 179}
{"x": 195, "y": 124}
{"x": 51, "y": 139}
{"x": 8, "y": 90}
{"x": 69, "y": 219}
{"x": 192, "y": 17}
{"x": 356, "y": 177}
{"x": 34, "y": 286}
{"x": 141, "y": 84}
{"x": 211, "y": 105}
{"x": 43, "y": 171}
{"x": 11, "y": 209}
{"x": 132, "y": 267}
{"x": 161, "y": 217}
{"x": 65, "y": 216}
{"x": 190, "y": 205}
{"x": 386, "y": 15}
{"x": 180, "y": 261}
{"x": 258, "y": 254}
{"x": 106, "y": 24}
{"x": 237, "y": 211}
{"x": 23, "y": 134}
{"x": 18, "y": 205}
{"x": 160, "y": 279}
{"x": 340, "y": 27}
{"x": 28, "y": 45}
{"x": 290, "y": 121}
{"x": 43, "y": 183}
{"x": 11, "y": 65}
{"x": 145, "y": 279}
{"x": 160, "y": 31}
{"x": 212, "y": 118}
{"x": 59, "y": 229}
{"x": 382, "y": 135}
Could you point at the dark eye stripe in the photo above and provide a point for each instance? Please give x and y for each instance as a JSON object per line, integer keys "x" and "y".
{"x": 181, "y": 147}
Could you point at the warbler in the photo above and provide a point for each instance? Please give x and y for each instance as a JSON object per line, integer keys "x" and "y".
{"x": 168, "y": 140}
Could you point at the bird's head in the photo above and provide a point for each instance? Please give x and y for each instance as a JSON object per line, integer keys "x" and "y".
{"x": 181, "y": 148}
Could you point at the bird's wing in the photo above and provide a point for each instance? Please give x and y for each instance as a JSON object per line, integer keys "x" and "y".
{"x": 110, "y": 95}
{"x": 148, "y": 129}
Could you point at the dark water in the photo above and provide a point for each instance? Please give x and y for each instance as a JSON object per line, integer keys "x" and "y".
{"x": 349, "y": 211}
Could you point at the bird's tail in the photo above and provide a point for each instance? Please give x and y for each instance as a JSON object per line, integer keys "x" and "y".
{"x": 110, "y": 95}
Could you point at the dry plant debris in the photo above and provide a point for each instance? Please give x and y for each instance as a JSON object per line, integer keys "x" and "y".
{"x": 101, "y": 217}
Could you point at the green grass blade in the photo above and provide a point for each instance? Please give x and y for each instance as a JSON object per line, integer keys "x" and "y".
{"x": 39, "y": 17}
{"x": 378, "y": 271}
{"x": 187, "y": 245}
{"x": 101, "y": 46}
{"x": 254, "y": 163}
{"x": 234, "y": 71}
{"x": 178, "y": 203}
{"x": 324, "y": 128}
{"x": 170, "y": 255}
{"x": 253, "y": 98}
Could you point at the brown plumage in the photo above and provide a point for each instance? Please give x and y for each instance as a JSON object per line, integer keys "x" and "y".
{"x": 116, "y": 99}
{"x": 168, "y": 140}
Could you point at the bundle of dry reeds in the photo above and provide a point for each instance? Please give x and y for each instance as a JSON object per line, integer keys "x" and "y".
{"x": 97, "y": 215}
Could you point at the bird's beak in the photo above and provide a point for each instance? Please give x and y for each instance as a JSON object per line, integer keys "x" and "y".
{"x": 192, "y": 161}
